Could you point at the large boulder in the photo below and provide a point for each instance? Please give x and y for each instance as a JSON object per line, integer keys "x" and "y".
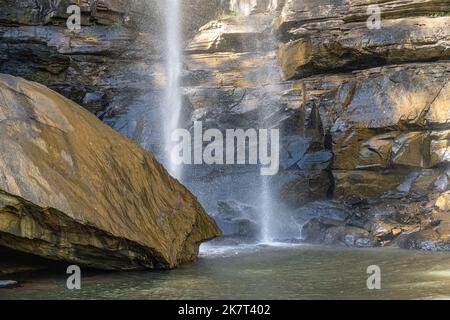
{"x": 73, "y": 189}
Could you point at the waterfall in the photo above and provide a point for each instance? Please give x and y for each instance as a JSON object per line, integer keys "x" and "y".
{"x": 273, "y": 5}
{"x": 267, "y": 209}
{"x": 245, "y": 7}
{"x": 173, "y": 95}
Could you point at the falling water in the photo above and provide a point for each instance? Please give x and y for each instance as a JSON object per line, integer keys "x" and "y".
{"x": 268, "y": 229}
{"x": 267, "y": 208}
{"x": 245, "y": 7}
{"x": 267, "y": 211}
{"x": 173, "y": 97}
{"x": 273, "y": 5}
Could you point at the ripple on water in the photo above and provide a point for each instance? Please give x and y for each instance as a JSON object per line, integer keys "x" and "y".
{"x": 274, "y": 271}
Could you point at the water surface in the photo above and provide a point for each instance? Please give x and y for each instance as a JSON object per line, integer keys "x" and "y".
{"x": 263, "y": 272}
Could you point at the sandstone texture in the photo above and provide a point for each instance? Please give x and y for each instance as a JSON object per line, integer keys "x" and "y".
{"x": 322, "y": 36}
{"x": 74, "y": 190}
{"x": 116, "y": 57}
{"x": 365, "y": 113}
{"x": 380, "y": 99}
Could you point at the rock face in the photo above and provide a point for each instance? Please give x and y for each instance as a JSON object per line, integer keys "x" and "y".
{"x": 322, "y": 36}
{"x": 387, "y": 125}
{"x": 364, "y": 113}
{"x": 107, "y": 66}
{"x": 233, "y": 80}
{"x": 240, "y": 220}
{"x": 383, "y": 109}
{"x": 73, "y": 189}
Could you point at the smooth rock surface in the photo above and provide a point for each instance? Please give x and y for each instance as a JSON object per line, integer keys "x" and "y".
{"x": 73, "y": 189}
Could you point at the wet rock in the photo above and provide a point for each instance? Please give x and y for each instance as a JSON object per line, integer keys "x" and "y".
{"x": 306, "y": 187}
{"x": 94, "y": 100}
{"x": 368, "y": 183}
{"x": 377, "y": 134}
{"x": 27, "y": 12}
{"x": 434, "y": 236}
{"x": 385, "y": 231}
{"x": 322, "y": 209}
{"x": 350, "y": 236}
{"x": 230, "y": 69}
{"x": 4, "y": 284}
{"x": 316, "y": 161}
{"x": 428, "y": 240}
{"x": 363, "y": 149}
{"x": 332, "y": 232}
{"x": 74, "y": 190}
{"x": 238, "y": 220}
{"x": 314, "y": 231}
{"x": 229, "y": 210}
{"x": 80, "y": 64}
{"x": 365, "y": 183}
{"x": 246, "y": 229}
{"x": 388, "y": 98}
{"x": 442, "y": 181}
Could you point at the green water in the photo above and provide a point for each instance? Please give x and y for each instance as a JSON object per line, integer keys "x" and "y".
{"x": 295, "y": 272}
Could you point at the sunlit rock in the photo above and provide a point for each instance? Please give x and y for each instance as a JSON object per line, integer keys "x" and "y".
{"x": 319, "y": 36}
{"x": 73, "y": 189}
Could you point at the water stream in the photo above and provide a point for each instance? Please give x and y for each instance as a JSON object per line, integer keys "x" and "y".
{"x": 173, "y": 97}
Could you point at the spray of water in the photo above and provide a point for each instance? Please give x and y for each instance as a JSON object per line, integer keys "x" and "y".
{"x": 267, "y": 209}
{"x": 245, "y": 7}
{"x": 173, "y": 95}
{"x": 273, "y": 5}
